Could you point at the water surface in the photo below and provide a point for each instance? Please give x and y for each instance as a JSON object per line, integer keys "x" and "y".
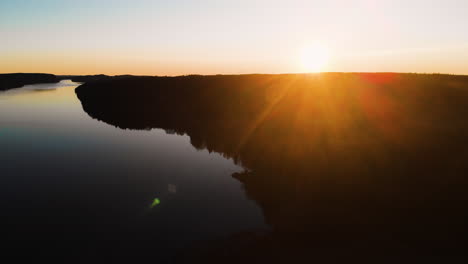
{"x": 75, "y": 186}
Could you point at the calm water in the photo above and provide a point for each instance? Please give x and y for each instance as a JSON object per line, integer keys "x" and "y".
{"x": 74, "y": 186}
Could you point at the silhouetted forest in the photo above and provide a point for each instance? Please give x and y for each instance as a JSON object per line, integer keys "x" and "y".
{"x": 368, "y": 166}
{"x": 16, "y": 80}
{"x": 91, "y": 78}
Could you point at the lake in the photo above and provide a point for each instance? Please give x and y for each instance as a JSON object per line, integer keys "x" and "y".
{"x": 75, "y": 186}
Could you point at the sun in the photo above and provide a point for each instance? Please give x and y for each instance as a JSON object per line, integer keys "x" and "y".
{"x": 314, "y": 58}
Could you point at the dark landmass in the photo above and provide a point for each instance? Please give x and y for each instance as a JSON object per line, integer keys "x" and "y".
{"x": 16, "y": 80}
{"x": 91, "y": 78}
{"x": 362, "y": 167}
{"x": 85, "y": 78}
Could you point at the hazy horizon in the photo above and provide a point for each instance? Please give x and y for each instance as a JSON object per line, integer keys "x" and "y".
{"x": 229, "y": 74}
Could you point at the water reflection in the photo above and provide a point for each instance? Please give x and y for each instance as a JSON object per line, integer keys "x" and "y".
{"x": 45, "y": 90}
{"x": 73, "y": 189}
{"x": 368, "y": 166}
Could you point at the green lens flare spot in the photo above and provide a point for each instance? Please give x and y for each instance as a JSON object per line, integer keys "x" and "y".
{"x": 156, "y": 201}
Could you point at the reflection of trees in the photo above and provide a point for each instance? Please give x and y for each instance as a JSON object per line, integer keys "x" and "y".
{"x": 356, "y": 158}
{"x": 16, "y": 80}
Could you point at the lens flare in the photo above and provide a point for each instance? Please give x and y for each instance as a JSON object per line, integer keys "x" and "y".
{"x": 156, "y": 201}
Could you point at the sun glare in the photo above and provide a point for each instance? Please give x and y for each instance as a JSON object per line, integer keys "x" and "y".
{"x": 314, "y": 58}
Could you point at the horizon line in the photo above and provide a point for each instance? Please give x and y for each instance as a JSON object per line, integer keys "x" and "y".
{"x": 253, "y": 73}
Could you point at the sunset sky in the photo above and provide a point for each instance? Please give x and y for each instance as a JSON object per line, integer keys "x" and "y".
{"x": 152, "y": 37}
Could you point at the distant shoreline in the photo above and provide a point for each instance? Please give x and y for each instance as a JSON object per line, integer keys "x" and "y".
{"x": 17, "y": 80}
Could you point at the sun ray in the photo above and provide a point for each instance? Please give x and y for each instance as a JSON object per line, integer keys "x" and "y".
{"x": 263, "y": 115}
